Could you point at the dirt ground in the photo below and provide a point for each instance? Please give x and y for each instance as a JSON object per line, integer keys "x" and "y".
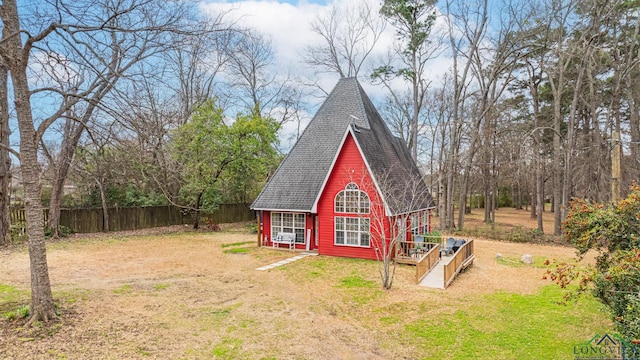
{"x": 185, "y": 296}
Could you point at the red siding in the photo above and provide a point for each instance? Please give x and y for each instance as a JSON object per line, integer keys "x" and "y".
{"x": 349, "y": 167}
{"x": 266, "y": 228}
{"x": 310, "y": 223}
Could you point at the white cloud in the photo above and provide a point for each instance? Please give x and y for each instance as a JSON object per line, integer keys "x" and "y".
{"x": 51, "y": 70}
{"x": 288, "y": 25}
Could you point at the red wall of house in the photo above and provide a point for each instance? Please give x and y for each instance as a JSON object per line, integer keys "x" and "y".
{"x": 349, "y": 167}
{"x": 266, "y": 228}
{"x": 266, "y": 231}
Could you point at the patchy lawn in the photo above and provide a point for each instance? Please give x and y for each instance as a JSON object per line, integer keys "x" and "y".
{"x": 195, "y": 295}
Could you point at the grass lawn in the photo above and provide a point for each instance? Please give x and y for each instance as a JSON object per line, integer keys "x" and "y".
{"x": 194, "y": 295}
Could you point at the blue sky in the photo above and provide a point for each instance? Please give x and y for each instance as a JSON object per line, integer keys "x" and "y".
{"x": 287, "y": 23}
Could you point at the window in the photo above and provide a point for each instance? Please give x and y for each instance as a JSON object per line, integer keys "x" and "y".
{"x": 425, "y": 222}
{"x": 288, "y": 222}
{"x": 352, "y": 200}
{"x": 352, "y": 231}
{"x": 415, "y": 224}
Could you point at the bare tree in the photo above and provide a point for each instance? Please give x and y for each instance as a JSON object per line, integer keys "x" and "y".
{"x": 5, "y": 159}
{"x": 98, "y": 43}
{"x": 97, "y": 161}
{"x": 392, "y": 200}
{"x": 194, "y": 63}
{"x": 110, "y": 64}
{"x": 493, "y": 62}
{"x": 164, "y": 98}
{"x": 255, "y": 81}
{"x": 349, "y": 34}
{"x": 15, "y": 55}
{"x": 472, "y": 23}
{"x": 414, "y": 47}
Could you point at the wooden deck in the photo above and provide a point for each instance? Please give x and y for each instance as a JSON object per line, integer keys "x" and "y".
{"x": 446, "y": 270}
{"x": 408, "y": 254}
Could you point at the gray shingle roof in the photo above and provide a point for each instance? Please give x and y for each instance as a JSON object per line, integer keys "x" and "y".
{"x": 298, "y": 180}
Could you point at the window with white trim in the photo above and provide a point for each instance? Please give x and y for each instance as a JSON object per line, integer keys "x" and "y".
{"x": 352, "y": 231}
{"x": 415, "y": 224}
{"x": 352, "y": 200}
{"x": 290, "y": 223}
{"x": 425, "y": 222}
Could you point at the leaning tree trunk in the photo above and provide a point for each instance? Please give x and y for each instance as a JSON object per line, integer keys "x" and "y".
{"x": 16, "y": 59}
{"x": 42, "y": 308}
{"x": 5, "y": 159}
{"x": 62, "y": 171}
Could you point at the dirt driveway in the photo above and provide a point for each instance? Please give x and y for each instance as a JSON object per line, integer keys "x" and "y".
{"x": 186, "y": 296}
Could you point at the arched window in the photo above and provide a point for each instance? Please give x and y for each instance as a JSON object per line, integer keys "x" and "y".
{"x": 352, "y": 200}
{"x": 352, "y": 230}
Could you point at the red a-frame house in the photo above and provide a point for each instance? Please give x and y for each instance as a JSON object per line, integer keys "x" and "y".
{"x": 347, "y": 186}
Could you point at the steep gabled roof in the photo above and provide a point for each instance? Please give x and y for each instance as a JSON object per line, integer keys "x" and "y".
{"x": 296, "y": 184}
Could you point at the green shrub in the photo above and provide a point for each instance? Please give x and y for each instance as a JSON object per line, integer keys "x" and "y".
{"x": 614, "y": 230}
{"x": 522, "y": 235}
{"x": 619, "y": 289}
{"x": 18, "y": 232}
{"x": 63, "y": 231}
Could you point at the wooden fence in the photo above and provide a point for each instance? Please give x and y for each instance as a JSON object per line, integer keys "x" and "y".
{"x": 133, "y": 218}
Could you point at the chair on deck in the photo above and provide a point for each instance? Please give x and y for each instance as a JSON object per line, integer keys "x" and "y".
{"x": 448, "y": 248}
{"x": 418, "y": 242}
{"x": 458, "y": 244}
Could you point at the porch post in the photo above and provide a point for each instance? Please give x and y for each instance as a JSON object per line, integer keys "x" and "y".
{"x": 259, "y": 213}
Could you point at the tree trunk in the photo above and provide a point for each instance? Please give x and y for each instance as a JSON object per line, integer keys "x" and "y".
{"x": 196, "y": 220}
{"x": 5, "y": 159}
{"x": 105, "y": 207}
{"x": 68, "y": 150}
{"x": 557, "y": 151}
{"x": 42, "y": 308}
{"x": 466, "y": 171}
{"x": 634, "y": 123}
{"x": 534, "y": 194}
{"x": 540, "y": 198}
{"x": 451, "y": 167}
{"x": 442, "y": 201}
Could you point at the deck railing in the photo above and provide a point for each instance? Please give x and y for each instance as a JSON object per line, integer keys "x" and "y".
{"x": 461, "y": 259}
{"x": 427, "y": 262}
{"x": 409, "y": 252}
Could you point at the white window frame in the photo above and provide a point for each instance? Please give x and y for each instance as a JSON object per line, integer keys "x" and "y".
{"x": 290, "y": 223}
{"x": 352, "y": 231}
{"x": 415, "y": 224}
{"x": 425, "y": 222}
{"x": 352, "y": 200}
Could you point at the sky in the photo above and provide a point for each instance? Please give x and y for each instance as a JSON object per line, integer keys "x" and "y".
{"x": 287, "y": 23}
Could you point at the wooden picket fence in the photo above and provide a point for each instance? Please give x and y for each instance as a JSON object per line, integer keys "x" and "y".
{"x": 134, "y": 218}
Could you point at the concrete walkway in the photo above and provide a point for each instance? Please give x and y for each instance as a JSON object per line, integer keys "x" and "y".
{"x": 435, "y": 278}
{"x": 287, "y": 261}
